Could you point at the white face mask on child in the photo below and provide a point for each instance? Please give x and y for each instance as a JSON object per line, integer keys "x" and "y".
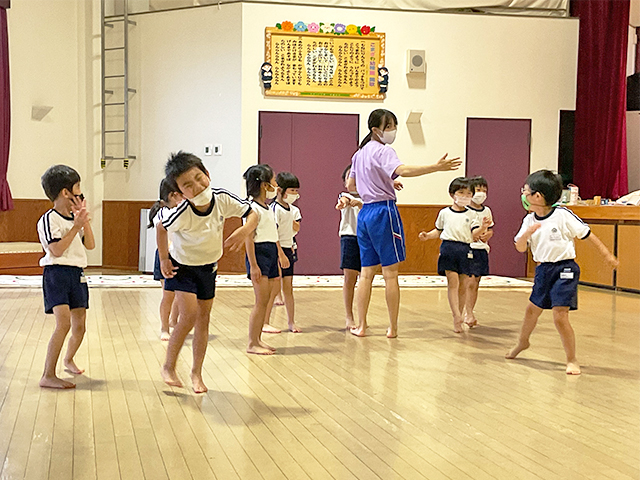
{"x": 272, "y": 193}
{"x": 462, "y": 201}
{"x": 479, "y": 198}
{"x": 290, "y": 198}
{"x": 203, "y": 198}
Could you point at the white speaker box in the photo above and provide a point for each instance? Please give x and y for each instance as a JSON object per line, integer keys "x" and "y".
{"x": 416, "y": 62}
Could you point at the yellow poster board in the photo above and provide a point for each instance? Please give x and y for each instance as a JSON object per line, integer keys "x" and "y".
{"x": 310, "y": 64}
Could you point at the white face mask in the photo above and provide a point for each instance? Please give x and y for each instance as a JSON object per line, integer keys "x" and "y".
{"x": 290, "y": 198}
{"x": 462, "y": 201}
{"x": 203, "y": 198}
{"x": 479, "y": 197}
{"x": 272, "y": 193}
{"x": 388, "y": 136}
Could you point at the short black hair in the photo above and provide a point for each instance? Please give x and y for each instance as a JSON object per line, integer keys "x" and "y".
{"x": 478, "y": 181}
{"x": 344, "y": 174}
{"x": 547, "y": 184}
{"x": 459, "y": 183}
{"x": 180, "y": 163}
{"x": 57, "y": 178}
{"x": 287, "y": 180}
{"x": 166, "y": 189}
{"x": 254, "y": 176}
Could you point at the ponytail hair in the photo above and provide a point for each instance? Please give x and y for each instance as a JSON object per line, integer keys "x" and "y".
{"x": 166, "y": 189}
{"x": 379, "y": 118}
{"x": 255, "y": 176}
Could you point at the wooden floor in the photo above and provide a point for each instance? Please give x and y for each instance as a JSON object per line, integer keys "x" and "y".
{"x": 428, "y": 405}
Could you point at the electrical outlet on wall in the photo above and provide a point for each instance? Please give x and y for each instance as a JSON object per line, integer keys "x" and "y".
{"x": 208, "y": 149}
{"x": 217, "y": 149}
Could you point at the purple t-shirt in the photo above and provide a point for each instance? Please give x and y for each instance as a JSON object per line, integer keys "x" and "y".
{"x": 372, "y": 166}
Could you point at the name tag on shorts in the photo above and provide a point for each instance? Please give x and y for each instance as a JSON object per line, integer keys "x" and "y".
{"x": 470, "y": 255}
{"x": 566, "y": 275}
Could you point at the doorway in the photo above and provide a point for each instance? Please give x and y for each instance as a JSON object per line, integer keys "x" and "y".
{"x": 499, "y": 150}
{"x": 316, "y": 147}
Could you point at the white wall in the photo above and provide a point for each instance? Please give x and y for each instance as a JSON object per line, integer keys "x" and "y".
{"x": 477, "y": 66}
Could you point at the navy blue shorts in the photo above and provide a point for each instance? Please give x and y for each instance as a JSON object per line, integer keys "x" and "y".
{"x": 267, "y": 258}
{"x": 198, "y": 279}
{"x": 479, "y": 264}
{"x": 157, "y": 273}
{"x": 380, "y": 234}
{"x": 293, "y": 258}
{"x": 556, "y": 285}
{"x": 349, "y": 252}
{"x": 64, "y": 285}
{"x": 454, "y": 257}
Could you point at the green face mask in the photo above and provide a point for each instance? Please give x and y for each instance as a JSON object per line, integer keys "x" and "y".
{"x": 525, "y": 202}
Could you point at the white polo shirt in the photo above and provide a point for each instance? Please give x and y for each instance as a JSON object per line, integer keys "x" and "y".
{"x": 52, "y": 226}
{"x": 349, "y": 217}
{"x": 285, "y": 216}
{"x": 455, "y": 225}
{"x": 553, "y": 241}
{"x": 266, "y": 231}
{"x": 196, "y": 237}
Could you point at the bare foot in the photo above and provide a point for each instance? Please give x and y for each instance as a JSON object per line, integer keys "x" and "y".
{"x": 278, "y": 301}
{"x": 392, "y": 333}
{"x": 294, "y": 328}
{"x": 266, "y": 328}
{"x": 55, "y": 382}
{"x": 513, "y": 353}
{"x": 170, "y": 377}
{"x": 265, "y": 345}
{"x": 258, "y": 350}
{"x": 165, "y": 336}
{"x": 470, "y": 320}
{"x": 71, "y": 366}
{"x": 350, "y": 323}
{"x": 457, "y": 324}
{"x": 358, "y": 331}
{"x": 573, "y": 368}
{"x": 198, "y": 384}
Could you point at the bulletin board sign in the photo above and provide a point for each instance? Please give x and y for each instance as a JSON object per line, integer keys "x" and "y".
{"x": 339, "y": 64}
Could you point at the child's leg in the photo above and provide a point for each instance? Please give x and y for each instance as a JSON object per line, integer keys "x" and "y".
{"x": 287, "y": 290}
{"x": 453, "y": 294}
{"x": 188, "y": 308}
{"x": 392, "y": 296}
{"x": 199, "y": 343}
{"x": 462, "y": 292}
{"x": 348, "y": 290}
{"x": 472, "y": 297}
{"x": 78, "y": 322}
{"x": 274, "y": 290}
{"x": 63, "y": 323}
{"x": 363, "y": 297}
{"x": 531, "y": 315}
{"x": 568, "y": 337}
{"x": 279, "y": 297}
{"x": 262, "y": 290}
{"x": 173, "y": 317}
{"x": 166, "y": 305}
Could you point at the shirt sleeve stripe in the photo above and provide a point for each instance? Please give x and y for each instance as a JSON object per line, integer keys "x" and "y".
{"x": 232, "y": 195}
{"x": 174, "y": 216}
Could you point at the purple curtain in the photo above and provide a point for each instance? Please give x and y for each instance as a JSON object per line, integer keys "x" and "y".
{"x": 6, "y": 202}
{"x": 600, "y": 153}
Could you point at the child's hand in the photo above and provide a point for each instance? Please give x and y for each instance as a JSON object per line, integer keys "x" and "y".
{"x": 168, "y": 269}
{"x": 612, "y": 260}
{"x": 342, "y": 203}
{"x": 256, "y": 273}
{"x": 235, "y": 241}
{"x": 397, "y": 184}
{"x": 80, "y": 217}
{"x": 533, "y": 228}
{"x": 423, "y": 236}
{"x": 284, "y": 261}
{"x": 355, "y": 202}
{"x": 486, "y": 222}
{"x": 445, "y": 164}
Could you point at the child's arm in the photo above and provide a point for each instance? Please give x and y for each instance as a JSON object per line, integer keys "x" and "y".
{"x": 296, "y": 226}
{"x": 254, "y": 269}
{"x": 432, "y": 235}
{"x": 282, "y": 257}
{"x": 482, "y": 229}
{"x": 604, "y": 251}
{"x": 235, "y": 241}
{"x": 521, "y": 243}
{"x": 162, "y": 241}
{"x": 486, "y": 236}
{"x": 57, "y": 249}
{"x": 89, "y": 239}
{"x": 443, "y": 165}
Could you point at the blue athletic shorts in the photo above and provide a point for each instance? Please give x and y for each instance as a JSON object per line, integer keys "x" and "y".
{"x": 454, "y": 257}
{"x": 64, "y": 285}
{"x": 293, "y": 258}
{"x": 157, "y": 273}
{"x": 380, "y": 234}
{"x": 349, "y": 252}
{"x": 479, "y": 264}
{"x": 267, "y": 258}
{"x": 198, "y": 279}
{"x": 556, "y": 285}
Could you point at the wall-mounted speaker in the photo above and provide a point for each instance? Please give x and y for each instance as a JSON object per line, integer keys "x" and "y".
{"x": 416, "y": 61}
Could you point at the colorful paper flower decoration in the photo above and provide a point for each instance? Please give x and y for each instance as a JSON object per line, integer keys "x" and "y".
{"x": 328, "y": 28}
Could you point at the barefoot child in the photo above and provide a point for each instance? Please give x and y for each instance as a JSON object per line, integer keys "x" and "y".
{"x": 190, "y": 264}
{"x": 453, "y": 226}
{"x": 550, "y": 233}
{"x": 263, "y": 253}
{"x": 479, "y": 264}
{"x": 374, "y": 167}
{"x": 169, "y": 198}
{"x": 288, "y": 219}
{"x": 349, "y": 205}
{"x": 65, "y": 232}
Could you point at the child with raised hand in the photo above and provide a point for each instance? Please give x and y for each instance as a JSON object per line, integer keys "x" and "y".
{"x": 454, "y": 226}
{"x": 374, "y": 167}
{"x": 263, "y": 253}
{"x": 190, "y": 263}
{"x": 64, "y": 232}
{"x": 479, "y": 264}
{"x": 349, "y": 204}
{"x": 550, "y": 232}
{"x": 288, "y": 219}
{"x": 170, "y": 197}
